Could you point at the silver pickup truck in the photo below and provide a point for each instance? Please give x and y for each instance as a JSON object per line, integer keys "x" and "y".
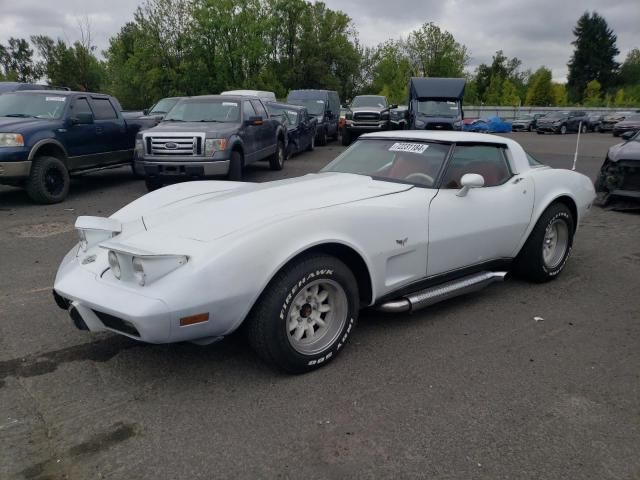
{"x": 210, "y": 135}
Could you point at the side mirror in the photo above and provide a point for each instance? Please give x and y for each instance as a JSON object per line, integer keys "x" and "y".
{"x": 469, "y": 181}
{"x": 145, "y": 111}
{"x": 254, "y": 121}
{"x": 628, "y": 135}
{"x": 82, "y": 119}
{"x": 392, "y": 106}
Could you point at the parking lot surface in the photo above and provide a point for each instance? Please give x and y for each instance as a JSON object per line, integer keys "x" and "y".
{"x": 475, "y": 387}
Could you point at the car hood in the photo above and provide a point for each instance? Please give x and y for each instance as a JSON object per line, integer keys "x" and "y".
{"x": 209, "y": 127}
{"x": 368, "y": 109}
{"x": 14, "y": 124}
{"x": 628, "y": 123}
{"x": 206, "y": 217}
{"x": 625, "y": 151}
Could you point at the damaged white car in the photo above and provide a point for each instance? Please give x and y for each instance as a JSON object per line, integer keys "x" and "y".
{"x": 400, "y": 220}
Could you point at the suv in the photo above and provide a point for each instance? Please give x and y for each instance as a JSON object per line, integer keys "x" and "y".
{"x": 367, "y": 113}
{"x": 210, "y": 135}
{"x": 325, "y": 106}
{"x": 563, "y": 122}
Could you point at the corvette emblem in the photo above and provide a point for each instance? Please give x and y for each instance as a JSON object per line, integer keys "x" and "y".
{"x": 402, "y": 242}
{"x": 89, "y": 259}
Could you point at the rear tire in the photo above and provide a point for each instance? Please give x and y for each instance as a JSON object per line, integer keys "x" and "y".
{"x": 305, "y": 315}
{"x": 346, "y": 137}
{"x": 312, "y": 144}
{"x": 276, "y": 161}
{"x": 49, "y": 180}
{"x": 153, "y": 184}
{"x": 322, "y": 137}
{"x": 547, "y": 249}
{"x": 563, "y": 129}
{"x": 236, "y": 166}
{"x": 584, "y": 129}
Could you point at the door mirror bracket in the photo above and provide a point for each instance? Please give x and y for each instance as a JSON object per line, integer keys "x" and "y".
{"x": 469, "y": 181}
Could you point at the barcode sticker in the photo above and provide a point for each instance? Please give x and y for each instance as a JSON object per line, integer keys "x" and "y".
{"x": 54, "y": 99}
{"x": 409, "y": 147}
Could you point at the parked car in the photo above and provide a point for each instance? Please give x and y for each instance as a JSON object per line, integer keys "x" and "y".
{"x": 594, "y": 121}
{"x": 6, "y": 87}
{"x": 563, "y": 122}
{"x": 526, "y": 122}
{"x": 207, "y": 136}
{"x": 263, "y": 95}
{"x": 436, "y": 103}
{"x": 609, "y": 121}
{"x": 631, "y": 123}
{"x": 301, "y": 127}
{"x": 367, "y": 113}
{"x": 399, "y": 117}
{"x": 398, "y": 221}
{"x": 325, "y": 106}
{"x": 47, "y": 135}
{"x": 619, "y": 177}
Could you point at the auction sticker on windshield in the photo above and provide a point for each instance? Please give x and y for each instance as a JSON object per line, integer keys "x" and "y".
{"x": 55, "y": 99}
{"x": 408, "y": 147}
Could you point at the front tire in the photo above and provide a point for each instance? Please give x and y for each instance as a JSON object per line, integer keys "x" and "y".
{"x": 276, "y": 161}
{"x": 322, "y": 137}
{"x": 563, "y": 130}
{"x": 312, "y": 143}
{"x": 547, "y": 249}
{"x": 236, "y": 166}
{"x": 305, "y": 315}
{"x": 346, "y": 137}
{"x": 49, "y": 180}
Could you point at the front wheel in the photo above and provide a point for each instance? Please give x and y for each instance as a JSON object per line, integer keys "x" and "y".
{"x": 312, "y": 143}
{"x": 305, "y": 315}
{"x": 153, "y": 184}
{"x": 322, "y": 137}
{"x": 49, "y": 180}
{"x": 235, "y": 166}
{"x": 563, "y": 129}
{"x": 584, "y": 129}
{"x": 547, "y": 249}
{"x": 276, "y": 161}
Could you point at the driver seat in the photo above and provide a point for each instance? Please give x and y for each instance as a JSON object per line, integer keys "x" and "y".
{"x": 407, "y": 163}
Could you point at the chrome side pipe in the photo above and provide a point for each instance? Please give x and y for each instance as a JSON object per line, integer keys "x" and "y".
{"x": 444, "y": 291}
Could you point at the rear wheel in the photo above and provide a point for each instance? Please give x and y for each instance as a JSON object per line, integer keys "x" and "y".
{"x": 276, "y": 161}
{"x": 596, "y": 128}
{"x": 563, "y": 129}
{"x": 584, "y": 128}
{"x": 49, "y": 180}
{"x": 305, "y": 315}
{"x": 312, "y": 143}
{"x": 547, "y": 249}
{"x": 236, "y": 166}
{"x": 346, "y": 137}
{"x": 322, "y": 137}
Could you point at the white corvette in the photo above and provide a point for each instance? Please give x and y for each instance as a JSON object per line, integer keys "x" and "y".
{"x": 398, "y": 221}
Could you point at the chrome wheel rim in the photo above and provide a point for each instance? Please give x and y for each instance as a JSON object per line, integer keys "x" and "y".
{"x": 556, "y": 241}
{"x": 317, "y": 316}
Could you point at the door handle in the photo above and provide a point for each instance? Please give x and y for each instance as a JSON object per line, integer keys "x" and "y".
{"x": 99, "y": 129}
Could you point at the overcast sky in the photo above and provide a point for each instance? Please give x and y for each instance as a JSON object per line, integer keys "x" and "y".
{"x": 538, "y": 32}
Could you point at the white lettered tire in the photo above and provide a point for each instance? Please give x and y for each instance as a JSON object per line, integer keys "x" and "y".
{"x": 305, "y": 315}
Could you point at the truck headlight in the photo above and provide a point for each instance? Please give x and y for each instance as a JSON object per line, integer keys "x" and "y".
{"x": 11, "y": 140}
{"x": 139, "y": 147}
{"x": 213, "y": 145}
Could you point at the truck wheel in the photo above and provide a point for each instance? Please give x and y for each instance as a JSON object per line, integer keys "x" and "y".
{"x": 49, "y": 180}
{"x": 305, "y": 315}
{"x": 137, "y": 175}
{"x": 547, "y": 249}
{"x": 346, "y": 137}
{"x": 236, "y": 166}
{"x": 276, "y": 161}
{"x": 153, "y": 184}
{"x": 322, "y": 137}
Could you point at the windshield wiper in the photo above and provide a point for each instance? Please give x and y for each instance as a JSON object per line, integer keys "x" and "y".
{"x": 19, "y": 115}
{"x": 173, "y": 120}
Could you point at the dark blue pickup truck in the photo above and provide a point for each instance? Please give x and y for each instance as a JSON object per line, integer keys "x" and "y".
{"x": 46, "y": 136}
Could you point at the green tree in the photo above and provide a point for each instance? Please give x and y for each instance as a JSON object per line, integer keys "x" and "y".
{"x": 494, "y": 91}
{"x": 509, "y": 95}
{"x": 559, "y": 94}
{"x": 620, "y": 99}
{"x": 17, "y": 63}
{"x": 391, "y": 73}
{"x": 593, "y": 94}
{"x": 593, "y": 57}
{"x": 434, "y": 52}
{"x": 540, "y": 90}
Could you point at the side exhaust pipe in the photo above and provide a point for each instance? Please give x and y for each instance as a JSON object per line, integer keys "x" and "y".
{"x": 444, "y": 291}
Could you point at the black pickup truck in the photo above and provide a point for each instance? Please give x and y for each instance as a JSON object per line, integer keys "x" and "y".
{"x": 367, "y": 113}
{"x": 47, "y": 135}
{"x": 210, "y": 135}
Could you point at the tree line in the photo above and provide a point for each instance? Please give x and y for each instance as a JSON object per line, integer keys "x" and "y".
{"x": 191, "y": 47}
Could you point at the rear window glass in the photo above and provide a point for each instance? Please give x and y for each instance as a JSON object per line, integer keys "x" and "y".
{"x": 103, "y": 109}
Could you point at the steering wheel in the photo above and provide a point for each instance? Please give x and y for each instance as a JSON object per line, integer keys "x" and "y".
{"x": 420, "y": 178}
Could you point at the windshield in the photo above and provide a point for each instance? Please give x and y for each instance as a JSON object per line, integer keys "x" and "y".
{"x": 32, "y": 105}
{"x": 438, "y": 108}
{"x": 315, "y": 107}
{"x": 205, "y": 111}
{"x": 414, "y": 162}
{"x": 290, "y": 115}
{"x": 369, "y": 101}
{"x": 164, "y": 105}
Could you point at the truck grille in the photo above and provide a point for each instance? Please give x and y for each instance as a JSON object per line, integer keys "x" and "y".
{"x": 366, "y": 116}
{"x": 439, "y": 126}
{"x": 174, "y": 145}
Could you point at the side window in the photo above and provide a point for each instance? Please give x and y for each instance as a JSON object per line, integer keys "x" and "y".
{"x": 247, "y": 110}
{"x": 257, "y": 106}
{"x": 103, "y": 108}
{"x": 81, "y": 105}
{"x": 486, "y": 160}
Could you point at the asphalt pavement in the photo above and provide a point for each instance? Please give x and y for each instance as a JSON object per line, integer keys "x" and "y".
{"x": 515, "y": 381}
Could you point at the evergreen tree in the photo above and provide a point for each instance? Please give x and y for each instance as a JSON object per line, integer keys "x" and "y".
{"x": 593, "y": 57}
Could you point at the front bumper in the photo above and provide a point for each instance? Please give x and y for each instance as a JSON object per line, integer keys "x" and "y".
{"x": 15, "y": 169}
{"x": 520, "y": 126}
{"x": 182, "y": 167}
{"x": 548, "y": 128}
{"x": 366, "y": 126}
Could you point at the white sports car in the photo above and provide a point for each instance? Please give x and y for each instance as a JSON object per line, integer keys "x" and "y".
{"x": 398, "y": 221}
